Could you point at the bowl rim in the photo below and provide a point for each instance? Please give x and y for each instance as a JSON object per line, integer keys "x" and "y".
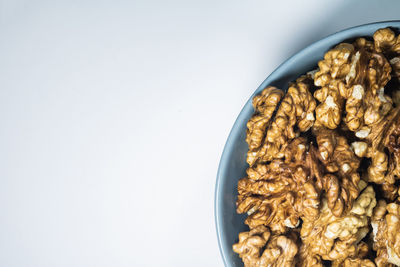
{"x": 229, "y": 142}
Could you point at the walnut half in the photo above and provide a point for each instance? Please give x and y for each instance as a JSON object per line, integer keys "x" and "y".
{"x": 259, "y": 248}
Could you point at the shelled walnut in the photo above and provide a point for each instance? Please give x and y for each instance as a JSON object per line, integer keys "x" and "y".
{"x": 260, "y": 247}
{"x": 323, "y": 183}
{"x": 267, "y": 138}
{"x": 358, "y": 259}
{"x": 336, "y": 238}
{"x": 386, "y": 234}
{"x": 340, "y": 163}
{"x": 279, "y": 193}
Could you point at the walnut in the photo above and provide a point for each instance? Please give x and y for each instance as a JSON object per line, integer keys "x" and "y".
{"x": 384, "y": 144}
{"x": 277, "y": 194}
{"x": 362, "y": 43}
{"x": 359, "y": 88}
{"x": 355, "y": 85}
{"x": 296, "y": 110}
{"x": 378, "y": 224}
{"x": 386, "y": 41}
{"x": 378, "y": 167}
{"x": 328, "y": 112}
{"x": 308, "y": 260}
{"x": 267, "y": 138}
{"x": 304, "y": 102}
{"x": 354, "y": 108}
{"x": 357, "y": 259}
{"x": 336, "y": 238}
{"x": 333, "y": 70}
{"x": 339, "y": 160}
{"x": 386, "y": 226}
{"x": 280, "y": 250}
{"x": 264, "y": 105}
{"x": 366, "y": 102}
{"x": 336, "y": 64}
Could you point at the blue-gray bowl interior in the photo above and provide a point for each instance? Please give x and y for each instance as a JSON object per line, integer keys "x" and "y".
{"x": 233, "y": 165}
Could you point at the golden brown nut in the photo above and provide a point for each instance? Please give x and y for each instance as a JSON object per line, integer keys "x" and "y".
{"x": 357, "y": 259}
{"x": 378, "y": 71}
{"x": 250, "y": 244}
{"x": 353, "y": 82}
{"x": 389, "y": 44}
{"x": 335, "y": 238}
{"x": 304, "y": 102}
{"x": 385, "y": 40}
{"x": 280, "y": 250}
{"x": 329, "y": 111}
{"x": 264, "y": 105}
{"x": 366, "y": 103}
{"x": 296, "y": 110}
{"x": 354, "y": 108}
{"x": 267, "y": 138}
{"x": 378, "y": 224}
{"x": 362, "y": 43}
{"x": 308, "y": 260}
{"x": 339, "y": 160}
{"x": 384, "y": 152}
{"x": 361, "y": 89}
{"x": 279, "y": 193}
{"x": 335, "y": 65}
{"x": 386, "y": 233}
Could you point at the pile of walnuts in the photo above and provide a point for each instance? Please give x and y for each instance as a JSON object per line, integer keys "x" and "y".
{"x": 323, "y": 183}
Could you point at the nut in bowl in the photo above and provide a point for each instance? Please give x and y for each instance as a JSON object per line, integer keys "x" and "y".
{"x": 310, "y": 176}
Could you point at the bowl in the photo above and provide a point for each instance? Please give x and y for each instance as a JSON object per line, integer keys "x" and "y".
{"x": 233, "y": 164}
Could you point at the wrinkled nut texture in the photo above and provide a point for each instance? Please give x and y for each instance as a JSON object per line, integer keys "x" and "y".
{"x": 357, "y": 259}
{"x": 280, "y": 250}
{"x": 341, "y": 163}
{"x": 267, "y": 138}
{"x": 264, "y": 105}
{"x": 385, "y": 40}
{"x": 306, "y": 259}
{"x": 295, "y": 111}
{"x": 329, "y": 111}
{"x": 352, "y": 78}
{"x": 385, "y": 154}
{"x": 335, "y": 65}
{"x": 386, "y": 233}
{"x": 308, "y": 183}
{"x": 335, "y": 238}
{"x": 279, "y": 193}
{"x": 332, "y": 72}
{"x": 379, "y": 227}
{"x": 368, "y": 104}
{"x": 354, "y": 108}
{"x": 304, "y": 102}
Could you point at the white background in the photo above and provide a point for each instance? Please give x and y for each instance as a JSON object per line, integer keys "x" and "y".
{"x": 114, "y": 114}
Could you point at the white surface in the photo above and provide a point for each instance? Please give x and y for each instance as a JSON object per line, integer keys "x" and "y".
{"x": 114, "y": 115}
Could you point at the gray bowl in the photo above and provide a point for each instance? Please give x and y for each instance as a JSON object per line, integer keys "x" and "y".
{"x": 233, "y": 164}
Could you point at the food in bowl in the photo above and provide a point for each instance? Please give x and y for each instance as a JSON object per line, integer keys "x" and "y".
{"x": 322, "y": 186}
